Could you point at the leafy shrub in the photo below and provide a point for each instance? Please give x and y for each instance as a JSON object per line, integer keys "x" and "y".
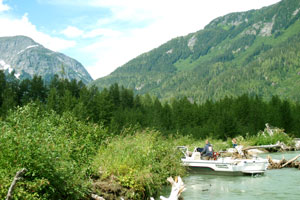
{"x": 271, "y": 136}
{"x": 56, "y": 150}
{"x": 264, "y": 138}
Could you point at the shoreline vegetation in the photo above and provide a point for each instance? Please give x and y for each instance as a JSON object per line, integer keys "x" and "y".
{"x": 68, "y": 159}
{"x": 76, "y": 141}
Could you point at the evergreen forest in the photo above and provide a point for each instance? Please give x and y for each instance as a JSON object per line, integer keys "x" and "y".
{"x": 117, "y": 108}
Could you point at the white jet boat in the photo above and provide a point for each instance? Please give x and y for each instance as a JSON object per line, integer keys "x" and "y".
{"x": 223, "y": 165}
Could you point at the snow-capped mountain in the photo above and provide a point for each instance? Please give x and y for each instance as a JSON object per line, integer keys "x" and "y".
{"x": 27, "y": 58}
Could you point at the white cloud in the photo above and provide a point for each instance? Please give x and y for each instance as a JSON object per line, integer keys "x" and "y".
{"x": 3, "y": 7}
{"x": 72, "y": 32}
{"x": 14, "y": 26}
{"x": 104, "y": 32}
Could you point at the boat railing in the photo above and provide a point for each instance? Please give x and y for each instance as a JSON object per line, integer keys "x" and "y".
{"x": 184, "y": 150}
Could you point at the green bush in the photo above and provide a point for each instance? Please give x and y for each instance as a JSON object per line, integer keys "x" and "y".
{"x": 140, "y": 163}
{"x": 56, "y": 151}
{"x": 263, "y": 138}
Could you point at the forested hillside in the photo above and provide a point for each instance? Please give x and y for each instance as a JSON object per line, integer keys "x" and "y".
{"x": 254, "y": 52}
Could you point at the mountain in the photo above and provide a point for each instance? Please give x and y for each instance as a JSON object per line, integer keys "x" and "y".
{"x": 28, "y": 58}
{"x": 255, "y": 52}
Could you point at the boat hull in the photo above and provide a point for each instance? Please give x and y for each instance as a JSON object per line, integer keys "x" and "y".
{"x": 229, "y": 167}
{"x": 207, "y": 170}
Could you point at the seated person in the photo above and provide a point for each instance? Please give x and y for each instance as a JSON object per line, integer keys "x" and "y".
{"x": 234, "y": 144}
{"x": 199, "y": 149}
{"x": 207, "y": 152}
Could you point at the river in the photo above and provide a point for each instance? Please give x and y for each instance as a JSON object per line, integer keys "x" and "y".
{"x": 274, "y": 184}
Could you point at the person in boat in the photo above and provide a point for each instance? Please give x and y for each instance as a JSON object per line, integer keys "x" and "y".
{"x": 234, "y": 144}
{"x": 207, "y": 152}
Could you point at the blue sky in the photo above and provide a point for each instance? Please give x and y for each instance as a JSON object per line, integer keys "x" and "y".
{"x": 105, "y": 34}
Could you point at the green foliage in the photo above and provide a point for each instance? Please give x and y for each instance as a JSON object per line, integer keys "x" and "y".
{"x": 141, "y": 161}
{"x": 56, "y": 151}
{"x": 264, "y": 138}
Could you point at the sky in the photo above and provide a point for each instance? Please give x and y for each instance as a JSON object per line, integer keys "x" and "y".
{"x": 105, "y": 34}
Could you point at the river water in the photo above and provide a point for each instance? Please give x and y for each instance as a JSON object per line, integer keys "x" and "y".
{"x": 274, "y": 184}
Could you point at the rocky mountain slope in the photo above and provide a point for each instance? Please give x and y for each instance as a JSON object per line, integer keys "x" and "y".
{"x": 255, "y": 52}
{"x": 27, "y": 58}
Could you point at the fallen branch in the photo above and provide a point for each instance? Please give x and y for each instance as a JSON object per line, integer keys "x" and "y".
{"x": 290, "y": 161}
{"x": 18, "y": 176}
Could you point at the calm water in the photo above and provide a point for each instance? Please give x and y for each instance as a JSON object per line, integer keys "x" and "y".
{"x": 274, "y": 184}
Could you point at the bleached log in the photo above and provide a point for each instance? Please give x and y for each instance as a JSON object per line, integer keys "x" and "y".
{"x": 290, "y": 161}
{"x": 96, "y": 197}
{"x": 18, "y": 176}
{"x": 254, "y": 151}
{"x": 177, "y": 188}
{"x": 277, "y": 145}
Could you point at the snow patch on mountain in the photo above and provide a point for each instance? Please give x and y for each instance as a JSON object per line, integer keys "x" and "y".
{"x": 5, "y": 66}
{"x": 29, "y": 47}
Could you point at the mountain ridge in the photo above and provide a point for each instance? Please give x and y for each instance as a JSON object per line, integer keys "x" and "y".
{"x": 27, "y": 58}
{"x": 227, "y": 58}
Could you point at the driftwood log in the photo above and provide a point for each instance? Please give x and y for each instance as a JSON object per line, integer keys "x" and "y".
{"x": 18, "y": 176}
{"x": 278, "y": 145}
{"x": 240, "y": 152}
{"x": 278, "y": 164}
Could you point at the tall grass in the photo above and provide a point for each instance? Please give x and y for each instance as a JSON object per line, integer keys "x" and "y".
{"x": 140, "y": 161}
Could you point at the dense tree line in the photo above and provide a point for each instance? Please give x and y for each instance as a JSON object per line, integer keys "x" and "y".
{"x": 117, "y": 107}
